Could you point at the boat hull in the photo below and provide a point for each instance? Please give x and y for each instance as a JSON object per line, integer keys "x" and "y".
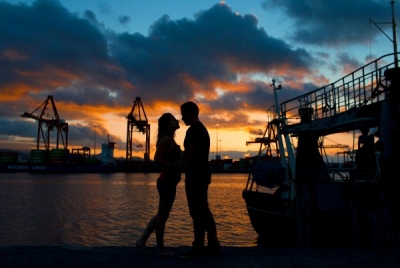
{"x": 344, "y": 215}
{"x": 272, "y": 217}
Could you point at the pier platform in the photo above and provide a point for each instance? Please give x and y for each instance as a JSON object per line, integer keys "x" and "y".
{"x": 47, "y": 256}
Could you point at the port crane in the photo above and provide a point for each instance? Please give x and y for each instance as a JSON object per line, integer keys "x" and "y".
{"x": 137, "y": 122}
{"x": 47, "y": 124}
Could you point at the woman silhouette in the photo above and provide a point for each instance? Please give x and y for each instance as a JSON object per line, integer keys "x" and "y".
{"x": 167, "y": 155}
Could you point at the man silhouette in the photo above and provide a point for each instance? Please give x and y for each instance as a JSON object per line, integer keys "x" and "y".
{"x": 197, "y": 179}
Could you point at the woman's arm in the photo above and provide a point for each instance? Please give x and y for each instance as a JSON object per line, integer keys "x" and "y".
{"x": 162, "y": 147}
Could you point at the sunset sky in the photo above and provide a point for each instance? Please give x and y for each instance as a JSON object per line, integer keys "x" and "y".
{"x": 96, "y": 56}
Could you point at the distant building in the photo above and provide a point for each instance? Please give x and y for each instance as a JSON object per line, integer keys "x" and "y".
{"x": 107, "y": 151}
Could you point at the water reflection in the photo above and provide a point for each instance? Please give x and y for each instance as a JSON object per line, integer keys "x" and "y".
{"x": 110, "y": 210}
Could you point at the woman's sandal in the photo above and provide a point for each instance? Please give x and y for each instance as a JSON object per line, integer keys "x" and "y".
{"x": 142, "y": 247}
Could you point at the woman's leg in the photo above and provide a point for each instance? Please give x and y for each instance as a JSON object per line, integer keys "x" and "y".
{"x": 141, "y": 242}
{"x": 167, "y": 196}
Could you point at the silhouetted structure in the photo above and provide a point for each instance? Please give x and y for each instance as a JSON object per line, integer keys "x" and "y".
{"x": 137, "y": 122}
{"x": 47, "y": 124}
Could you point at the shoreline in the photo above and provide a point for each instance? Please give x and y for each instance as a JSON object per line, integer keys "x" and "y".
{"x": 113, "y": 256}
{"x": 41, "y": 169}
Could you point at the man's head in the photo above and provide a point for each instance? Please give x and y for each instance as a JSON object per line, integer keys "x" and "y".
{"x": 190, "y": 112}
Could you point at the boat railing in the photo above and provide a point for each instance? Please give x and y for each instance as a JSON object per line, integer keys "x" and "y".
{"x": 361, "y": 87}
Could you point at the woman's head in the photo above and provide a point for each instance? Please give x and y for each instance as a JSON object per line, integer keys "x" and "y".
{"x": 167, "y": 125}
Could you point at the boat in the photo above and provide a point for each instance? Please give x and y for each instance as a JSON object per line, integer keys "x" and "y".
{"x": 269, "y": 192}
{"x": 293, "y": 198}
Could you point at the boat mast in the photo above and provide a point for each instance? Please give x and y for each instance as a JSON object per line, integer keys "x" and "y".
{"x": 278, "y": 113}
{"x": 289, "y": 148}
{"x": 394, "y": 36}
{"x": 394, "y": 40}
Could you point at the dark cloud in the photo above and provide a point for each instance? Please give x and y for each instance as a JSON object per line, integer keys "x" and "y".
{"x": 47, "y": 50}
{"x": 181, "y": 58}
{"x": 124, "y": 20}
{"x": 333, "y": 23}
{"x": 257, "y": 131}
{"x": 90, "y": 16}
{"x": 104, "y": 7}
{"x": 44, "y": 47}
{"x": 69, "y": 53}
{"x": 348, "y": 62}
{"x": 22, "y": 127}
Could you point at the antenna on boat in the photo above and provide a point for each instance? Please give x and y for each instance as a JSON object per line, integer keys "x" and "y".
{"x": 277, "y": 107}
{"x": 394, "y": 40}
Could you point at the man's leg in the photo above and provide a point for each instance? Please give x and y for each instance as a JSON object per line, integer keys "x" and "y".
{"x": 211, "y": 228}
{"x": 194, "y": 195}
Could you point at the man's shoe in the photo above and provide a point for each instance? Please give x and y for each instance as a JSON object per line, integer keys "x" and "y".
{"x": 213, "y": 248}
{"x": 193, "y": 253}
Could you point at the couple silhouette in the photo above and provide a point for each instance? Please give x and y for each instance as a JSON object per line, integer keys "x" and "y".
{"x": 194, "y": 163}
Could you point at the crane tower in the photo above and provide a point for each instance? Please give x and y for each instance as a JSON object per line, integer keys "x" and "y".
{"x": 137, "y": 122}
{"x": 49, "y": 121}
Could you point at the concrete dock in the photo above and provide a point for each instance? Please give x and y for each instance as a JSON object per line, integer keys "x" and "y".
{"x": 44, "y": 256}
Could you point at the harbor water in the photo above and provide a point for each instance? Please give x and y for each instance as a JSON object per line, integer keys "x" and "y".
{"x": 90, "y": 210}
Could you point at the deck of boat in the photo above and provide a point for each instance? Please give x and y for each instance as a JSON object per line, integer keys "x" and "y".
{"x": 343, "y": 105}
